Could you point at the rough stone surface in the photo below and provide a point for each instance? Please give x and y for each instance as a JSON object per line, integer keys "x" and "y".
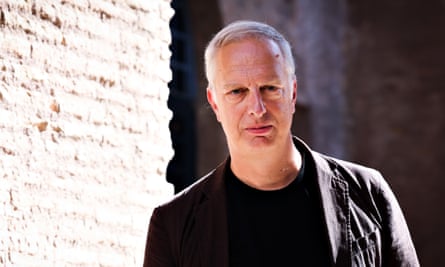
{"x": 84, "y": 139}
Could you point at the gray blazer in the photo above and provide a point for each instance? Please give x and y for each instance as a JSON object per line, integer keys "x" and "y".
{"x": 364, "y": 222}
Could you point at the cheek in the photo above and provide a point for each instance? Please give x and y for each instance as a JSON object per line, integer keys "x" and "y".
{"x": 289, "y": 107}
{"x": 283, "y": 110}
{"x": 232, "y": 117}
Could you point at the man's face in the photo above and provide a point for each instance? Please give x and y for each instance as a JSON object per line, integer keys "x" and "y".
{"x": 253, "y": 95}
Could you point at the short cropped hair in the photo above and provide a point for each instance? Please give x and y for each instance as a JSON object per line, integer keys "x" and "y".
{"x": 241, "y": 30}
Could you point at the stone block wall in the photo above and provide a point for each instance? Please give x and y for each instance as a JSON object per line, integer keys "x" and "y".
{"x": 84, "y": 139}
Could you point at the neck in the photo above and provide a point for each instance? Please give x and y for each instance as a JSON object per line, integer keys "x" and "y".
{"x": 269, "y": 171}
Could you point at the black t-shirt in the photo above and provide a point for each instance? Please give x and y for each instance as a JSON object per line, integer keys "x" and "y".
{"x": 276, "y": 228}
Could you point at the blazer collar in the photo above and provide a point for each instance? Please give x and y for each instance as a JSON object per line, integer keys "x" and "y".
{"x": 334, "y": 195}
{"x": 211, "y": 217}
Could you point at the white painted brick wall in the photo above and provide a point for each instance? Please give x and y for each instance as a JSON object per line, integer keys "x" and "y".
{"x": 84, "y": 139}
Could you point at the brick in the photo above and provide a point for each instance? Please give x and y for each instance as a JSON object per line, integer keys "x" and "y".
{"x": 83, "y": 109}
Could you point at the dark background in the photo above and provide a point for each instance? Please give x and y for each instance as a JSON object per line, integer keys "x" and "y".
{"x": 371, "y": 77}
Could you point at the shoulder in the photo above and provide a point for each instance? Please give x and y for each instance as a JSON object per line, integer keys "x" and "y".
{"x": 369, "y": 205}
{"x": 333, "y": 169}
{"x": 195, "y": 194}
{"x": 366, "y": 187}
{"x": 357, "y": 176}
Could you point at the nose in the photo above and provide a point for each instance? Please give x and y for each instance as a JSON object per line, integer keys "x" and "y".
{"x": 256, "y": 104}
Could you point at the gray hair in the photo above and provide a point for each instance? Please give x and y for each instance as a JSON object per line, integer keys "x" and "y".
{"x": 244, "y": 29}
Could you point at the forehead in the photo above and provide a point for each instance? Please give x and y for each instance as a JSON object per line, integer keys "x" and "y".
{"x": 249, "y": 51}
{"x": 250, "y": 56}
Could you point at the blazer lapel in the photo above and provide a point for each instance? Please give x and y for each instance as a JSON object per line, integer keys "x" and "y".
{"x": 211, "y": 216}
{"x": 211, "y": 222}
{"x": 335, "y": 204}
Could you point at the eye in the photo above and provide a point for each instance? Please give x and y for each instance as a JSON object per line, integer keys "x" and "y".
{"x": 235, "y": 95}
{"x": 271, "y": 92}
{"x": 269, "y": 88}
{"x": 237, "y": 91}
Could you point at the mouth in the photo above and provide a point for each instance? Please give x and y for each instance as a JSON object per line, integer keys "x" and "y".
{"x": 259, "y": 130}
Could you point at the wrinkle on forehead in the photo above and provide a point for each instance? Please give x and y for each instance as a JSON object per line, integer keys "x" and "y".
{"x": 250, "y": 61}
{"x": 252, "y": 51}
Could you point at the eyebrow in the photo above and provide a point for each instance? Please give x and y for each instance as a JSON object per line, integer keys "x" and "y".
{"x": 230, "y": 86}
{"x": 272, "y": 81}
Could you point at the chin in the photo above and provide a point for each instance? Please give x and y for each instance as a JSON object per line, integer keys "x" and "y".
{"x": 260, "y": 142}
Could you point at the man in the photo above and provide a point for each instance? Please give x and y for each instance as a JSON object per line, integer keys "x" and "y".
{"x": 273, "y": 202}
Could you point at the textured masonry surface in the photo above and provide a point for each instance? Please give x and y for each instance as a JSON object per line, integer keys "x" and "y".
{"x": 84, "y": 139}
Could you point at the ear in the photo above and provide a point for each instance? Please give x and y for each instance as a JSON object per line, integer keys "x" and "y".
{"x": 211, "y": 98}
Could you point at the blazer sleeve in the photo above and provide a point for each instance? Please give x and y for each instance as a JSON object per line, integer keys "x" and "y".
{"x": 158, "y": 252}
{"x": 398, "y": 248}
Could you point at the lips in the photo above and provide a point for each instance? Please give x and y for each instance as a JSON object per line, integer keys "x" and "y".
{"x": 259, "y": 129}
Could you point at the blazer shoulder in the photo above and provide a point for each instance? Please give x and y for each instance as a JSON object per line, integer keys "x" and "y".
{"x": 353, "y": 173}
{"x": 197, "y": 192}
